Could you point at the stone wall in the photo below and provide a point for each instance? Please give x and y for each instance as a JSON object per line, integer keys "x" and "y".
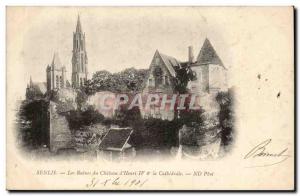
{"x": 209, "y": 78}
{"x": 60, "y": 134}
{"x": 96, "y": 99}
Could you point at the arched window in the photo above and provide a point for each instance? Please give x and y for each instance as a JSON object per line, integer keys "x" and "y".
{"x": 57, "y": 82}
{"x": 61, "y": 82}
{"x": 158, "y": 74}
{"x": 167, "y": 80}
{"x": 80, "y": 81}
{"x": 82, "y": 62}
{"x": 151, "y": 82}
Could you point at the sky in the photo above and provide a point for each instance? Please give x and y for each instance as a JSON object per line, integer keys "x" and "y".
{"x": 121, "y": 37}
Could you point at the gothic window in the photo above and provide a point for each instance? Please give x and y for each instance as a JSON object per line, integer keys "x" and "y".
{"x": 82, "y": 62}
{"x": 61, "y": 82}
{"x": 166, "y": 80}
{"x": 151, "y": 82}
{"x": 158, "y": 74}
{"x": 57, "y": 82}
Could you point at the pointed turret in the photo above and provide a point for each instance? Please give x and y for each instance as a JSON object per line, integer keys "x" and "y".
{"x": 208, "y": 55}
{"x": 56, "y": 61}
{"x": 30, "y": 82}
{"x": 78, "y": 26}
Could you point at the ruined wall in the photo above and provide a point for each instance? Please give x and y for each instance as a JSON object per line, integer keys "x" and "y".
{"x": 60, "y": 134}
{"x": 96, "y": 99}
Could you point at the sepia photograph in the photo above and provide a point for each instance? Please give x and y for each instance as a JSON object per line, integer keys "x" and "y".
{"x": 150, "y": 98}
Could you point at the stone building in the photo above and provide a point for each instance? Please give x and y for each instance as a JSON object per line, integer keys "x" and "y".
{"x": 161, "y": 74}
{"x": 56, "y": 74}
{"x": 160, "y": 81}
{"x": 79, "y": 58}
{"x": 208, "y": 69}
{"x": 211, "y": 74}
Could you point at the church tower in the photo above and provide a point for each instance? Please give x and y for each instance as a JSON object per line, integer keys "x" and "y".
{"x": 79, "y": 58}
{"x": 56, "y": 74}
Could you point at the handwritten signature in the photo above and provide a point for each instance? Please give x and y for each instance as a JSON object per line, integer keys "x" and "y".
{"x": 261, "y": 150}
{"x": 116, "y": 182}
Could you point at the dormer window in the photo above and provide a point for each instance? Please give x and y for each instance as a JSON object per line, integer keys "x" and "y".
{"x": 157, "y": 72}
{"x": 158, "y": 75}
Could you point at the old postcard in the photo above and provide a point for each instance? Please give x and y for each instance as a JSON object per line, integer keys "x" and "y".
{"x": 150, "y": 98}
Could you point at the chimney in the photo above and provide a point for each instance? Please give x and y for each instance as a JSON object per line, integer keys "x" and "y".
{"x": 191, "y": 55}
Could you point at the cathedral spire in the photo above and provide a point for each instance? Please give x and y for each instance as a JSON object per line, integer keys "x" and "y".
{"x": 30, "y": 83}
{"x": 79, "y": 57}
{"x": 78, "y": 26}
{"x": 56, "y": 61}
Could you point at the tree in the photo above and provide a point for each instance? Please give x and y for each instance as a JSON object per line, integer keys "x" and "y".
{"x": 129, "y": 80}
{"x": 77, "y": 119}
{"x": 33, "y": 123}
{"x": 226, "y": 116}
{"x": 100, "y": 81}
{"x": 183, "y": 76}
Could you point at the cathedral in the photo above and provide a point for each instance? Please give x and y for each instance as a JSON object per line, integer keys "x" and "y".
{"x": 56, "y": 71}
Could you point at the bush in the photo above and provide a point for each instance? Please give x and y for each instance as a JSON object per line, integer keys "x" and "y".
{"x": 226, "y": 116}
{"x": 33, "y": 123}
{"x": 78, "y": 119}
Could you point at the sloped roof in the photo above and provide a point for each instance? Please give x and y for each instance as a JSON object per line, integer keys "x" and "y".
{"x": 115, "y": 139}
{"x": 170, "y": 62}
{"x": 39, "y": 87}
{"x": 208, "y": 55}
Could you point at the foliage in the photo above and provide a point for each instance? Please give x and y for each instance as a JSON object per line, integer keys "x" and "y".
{"x": 132, "y": 117}
{"x": 191, "y": 118}
{"x": 159, "y": 134}
{"x": 129, "y": 80}
{"x": 226, "y": 116}
{"x": 33, "y": 121}
{"x": 78, "y": 118}
{"x": 183, "y": 76}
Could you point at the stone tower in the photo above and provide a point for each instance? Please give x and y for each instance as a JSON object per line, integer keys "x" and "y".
{"x": 79, "y": 58}
{"x": 56, "y": 74}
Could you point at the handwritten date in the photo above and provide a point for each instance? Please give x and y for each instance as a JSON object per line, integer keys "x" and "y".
{"x": 116, "y": 182}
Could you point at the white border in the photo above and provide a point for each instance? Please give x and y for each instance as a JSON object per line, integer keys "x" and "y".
{"x": 5, "y": 3}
